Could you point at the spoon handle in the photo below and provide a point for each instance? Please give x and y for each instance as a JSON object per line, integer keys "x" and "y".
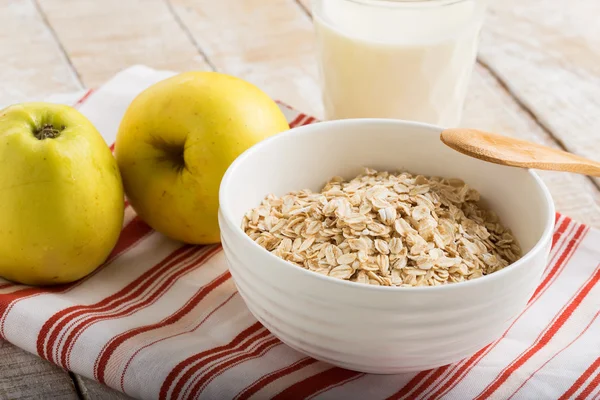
{"x": 505, "y": 150}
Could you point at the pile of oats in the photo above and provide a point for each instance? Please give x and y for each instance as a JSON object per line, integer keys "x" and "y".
{"x": 385, "y": 229}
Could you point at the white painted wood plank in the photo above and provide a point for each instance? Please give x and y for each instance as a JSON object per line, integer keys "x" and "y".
{"x": 32, "y": 65}
{"x": 25, "y": 376}
{"x": 104, "y": 37}
{"x": 92, "y": 390}
{"x": 548, "y": 54}
{"x": 305, "y": 4}
{"x": 269, "y": 43}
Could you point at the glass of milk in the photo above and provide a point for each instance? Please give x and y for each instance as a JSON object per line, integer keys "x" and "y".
{"x": 404, "y": 59}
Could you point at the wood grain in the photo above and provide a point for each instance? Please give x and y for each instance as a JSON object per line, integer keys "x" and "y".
{"x": 25, "y": 376}
{"x": 269, "y": 43}
{"x": 548, "y": 55}
{"x": 92, "y": 390}
{"x": 105, "y": 37}
{"x": 305, "y": 4}
{"x": 32, "y": 65}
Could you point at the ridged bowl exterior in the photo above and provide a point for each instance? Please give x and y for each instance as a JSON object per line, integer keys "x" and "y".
{"x": 384, "y": 332}
{"x": 375, "y": 329}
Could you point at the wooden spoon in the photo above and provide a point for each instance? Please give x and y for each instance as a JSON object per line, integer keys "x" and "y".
{"x": 504, "y": 150}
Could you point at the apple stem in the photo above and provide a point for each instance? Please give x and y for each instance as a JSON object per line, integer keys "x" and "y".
{"x": 48, "y": 131}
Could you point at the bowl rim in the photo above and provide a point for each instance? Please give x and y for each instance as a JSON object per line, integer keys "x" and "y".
{"x": 296, "y": 131}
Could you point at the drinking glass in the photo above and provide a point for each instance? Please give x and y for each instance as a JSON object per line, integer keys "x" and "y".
{"x": 398, "y": 59}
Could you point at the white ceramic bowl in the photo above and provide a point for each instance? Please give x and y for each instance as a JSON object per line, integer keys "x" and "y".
{"x": 372, "y": 328}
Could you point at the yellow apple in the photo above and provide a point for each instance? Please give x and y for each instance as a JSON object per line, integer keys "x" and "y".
{"x": 61, "y": 197}
{"x": 175, "y": 142}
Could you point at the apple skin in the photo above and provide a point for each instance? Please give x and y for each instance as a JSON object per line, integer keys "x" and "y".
{"x": 176, "y": 141}
{"x": 61, "y": 198}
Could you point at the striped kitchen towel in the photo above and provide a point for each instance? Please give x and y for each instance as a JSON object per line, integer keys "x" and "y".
{"x": 163, "y": 320}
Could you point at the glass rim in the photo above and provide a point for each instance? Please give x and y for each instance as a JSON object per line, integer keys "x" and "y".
{"x": 406, "y": 3}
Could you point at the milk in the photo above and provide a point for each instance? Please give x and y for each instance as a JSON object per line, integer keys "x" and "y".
{"x": 405, "y": 60}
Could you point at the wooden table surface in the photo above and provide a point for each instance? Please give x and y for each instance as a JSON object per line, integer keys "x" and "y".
{"x": 537, "y": 77}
